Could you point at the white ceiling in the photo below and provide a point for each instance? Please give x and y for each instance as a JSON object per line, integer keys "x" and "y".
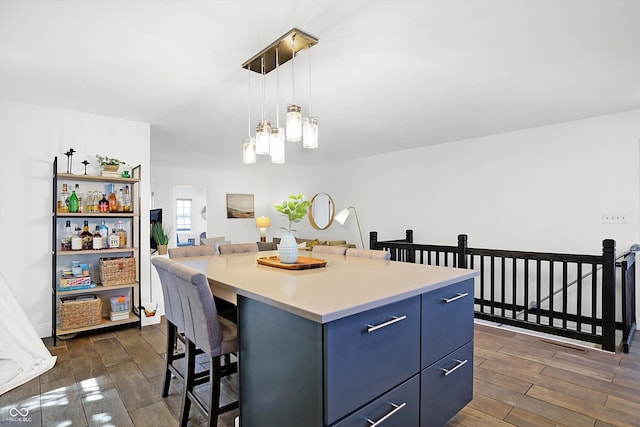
{"x": 386, "y": 75}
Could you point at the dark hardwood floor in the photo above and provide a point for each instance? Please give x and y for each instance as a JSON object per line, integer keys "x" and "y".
{"x": 520, "y": 380}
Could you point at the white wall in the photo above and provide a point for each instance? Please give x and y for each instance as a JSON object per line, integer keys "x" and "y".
{"x": 218, "y": 184}
{"x": 30, "y": 137}
{"x": 541, "y": 189}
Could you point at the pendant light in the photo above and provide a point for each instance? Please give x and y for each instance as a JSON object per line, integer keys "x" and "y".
{"x": 310, "y": 124}
{"x": 277, "y": 133}
{"x": 271, "y": 140}
{"x": 249, "y": 145}
{"x": 263, "y": 130}
{"x": 294, "y": 115}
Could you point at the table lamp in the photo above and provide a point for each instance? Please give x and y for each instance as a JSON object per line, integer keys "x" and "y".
{"x": 342, "y": 216}
{"x": 263, "y": 222}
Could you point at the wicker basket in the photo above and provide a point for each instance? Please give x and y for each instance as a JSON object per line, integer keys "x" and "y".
{"x": 117, "y": 271}
{"x": 77, "y": 312}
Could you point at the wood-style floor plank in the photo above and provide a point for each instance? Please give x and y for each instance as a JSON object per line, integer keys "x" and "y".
{"x": 519, "y": 380}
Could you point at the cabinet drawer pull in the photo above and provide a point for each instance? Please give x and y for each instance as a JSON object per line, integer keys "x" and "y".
{"x": 452, "y": 299}
{"x": 395, "y": 409}
{"x": 459, "y": 363}
{"x": 394, "y": 319}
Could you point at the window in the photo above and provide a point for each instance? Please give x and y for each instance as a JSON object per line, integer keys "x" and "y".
{"x": 183, "y": 214}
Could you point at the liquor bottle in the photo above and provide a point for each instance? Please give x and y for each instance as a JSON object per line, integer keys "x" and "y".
{"x": 63, "y": 200}
{"x": 87, "y": 237}
{"x": 120, "y": 200}
{"x": 104, "y": 232}
{"x": 80, "y": 197}
{"x": 73, "y": 202}
{"x": 67, "y": 234}
{"x": 113, "y": 200}
{"x": 96, "y": 201}
{"x": 126, "y": 200}
{"x": 97, "y": 239}
{"x": 114, "y": 239}
{"x": 122, "y": 233}
{"x": 76, "y": 240}
{"x": 103, "y": 204}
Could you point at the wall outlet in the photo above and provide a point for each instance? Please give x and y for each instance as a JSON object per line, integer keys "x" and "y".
{"x": 614, "y": 218}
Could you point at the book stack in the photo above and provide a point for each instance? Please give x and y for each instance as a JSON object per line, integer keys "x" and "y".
{"x": 112, "y": 174}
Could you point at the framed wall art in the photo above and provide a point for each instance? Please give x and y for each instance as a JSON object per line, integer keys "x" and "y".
{"x": 240, "y": 206}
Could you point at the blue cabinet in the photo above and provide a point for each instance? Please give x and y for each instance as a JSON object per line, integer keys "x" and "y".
{"x": 368, "y": 354}
{"x": 410, "y": 361}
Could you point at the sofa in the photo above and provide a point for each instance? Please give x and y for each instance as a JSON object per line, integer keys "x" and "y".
{"x": 305, "y": 244}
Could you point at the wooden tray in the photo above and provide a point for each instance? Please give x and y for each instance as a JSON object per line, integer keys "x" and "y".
{"x": 302, "y": 264}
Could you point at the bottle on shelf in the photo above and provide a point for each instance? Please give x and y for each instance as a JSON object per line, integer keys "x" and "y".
{"x": 97, "y": 239}
{"x": 76, "y": 240}
{"x": 63, "y": 200}
{"x": 103, "y": 204}
{"x": 113, "y": 200}
{"x": 104, "y": 232}
{"x": 80, "y": 197}
{"x": 73, "y": 202}
{"x": 96, "y": 201}
{"x": 87, "y": 237}
{"x": 126, "y": 200}
{"x": 67, "y": 234}
{"x": 122, "y": 234}
{"x": 120, "y": 200}
{"x": 114, "y": 239}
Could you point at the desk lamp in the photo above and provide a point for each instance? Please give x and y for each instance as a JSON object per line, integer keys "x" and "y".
{"x": 263, "y": 222}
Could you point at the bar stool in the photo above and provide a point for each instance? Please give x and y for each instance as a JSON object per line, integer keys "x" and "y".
{"x": 324, "y": 249}
{"x": 174, "y": 317}
{"x": 206, "y": 330}
{"x": 368, "y": 253}
{"x": 238, "y": 248}
{"x": 187, "y": 251}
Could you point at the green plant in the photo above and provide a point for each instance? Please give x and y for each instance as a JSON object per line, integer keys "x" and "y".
{"x": 159, "y": 234}
{"x": 294, "y": 209}
{"x": 104, "y": 161}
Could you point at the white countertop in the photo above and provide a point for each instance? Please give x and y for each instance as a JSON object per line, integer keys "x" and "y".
{"x": 344, "y": 287}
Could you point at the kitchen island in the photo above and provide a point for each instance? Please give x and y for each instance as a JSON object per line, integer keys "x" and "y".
{"x": 356, "y": 342}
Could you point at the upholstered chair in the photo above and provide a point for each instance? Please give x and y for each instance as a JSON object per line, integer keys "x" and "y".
{"x": 205, "y": 330}
{"x": 368, "y": 253}
{"x": 174, "y": 317}
{"x": 238, "y": 248}
{"x": 323, "y": 249}
{"x": 189, "y": 251}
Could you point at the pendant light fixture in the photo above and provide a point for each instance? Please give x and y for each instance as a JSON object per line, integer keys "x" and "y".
{"x": 249, "y": 145}
{"x": 310, "y": 124}
{"x": 263, "y": 130}
{"x": 268, "y": 139}
{"x": 277, "y": 133}
{"x": 294, "y": 115}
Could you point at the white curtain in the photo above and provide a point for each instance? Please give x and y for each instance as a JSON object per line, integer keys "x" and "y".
{"x": 23, "y": 355}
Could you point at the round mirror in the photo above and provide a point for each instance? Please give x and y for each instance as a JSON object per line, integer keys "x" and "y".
{"x": 321, "y": 211}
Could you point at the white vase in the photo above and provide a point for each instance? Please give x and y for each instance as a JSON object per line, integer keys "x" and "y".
{"x": 288, "y": 249}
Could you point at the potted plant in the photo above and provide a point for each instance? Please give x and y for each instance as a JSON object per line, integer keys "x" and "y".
{"x": 295, "y": 208}
{"x": 161, "y": 236}
{"x": 109, "y": 163}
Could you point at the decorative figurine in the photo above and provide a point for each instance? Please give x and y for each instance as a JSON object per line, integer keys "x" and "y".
{"x": 85, "y": 163}
{"x": 69, "y": 155}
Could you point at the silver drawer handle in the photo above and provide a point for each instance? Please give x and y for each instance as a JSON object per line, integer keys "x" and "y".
{"x": 459, "y": 363}
{"x": 395, "y": 409}
{"x": 452, "y": 299}
{"x": 394, "y": 319}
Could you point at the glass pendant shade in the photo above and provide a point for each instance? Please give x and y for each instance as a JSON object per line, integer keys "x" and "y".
{"x": 249, "y": 151}
{"x": 263, "y": 134}
{"x": 310, "y": 132}
{"x": 277, "y": 145}
{"x": 294, "y": 123}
